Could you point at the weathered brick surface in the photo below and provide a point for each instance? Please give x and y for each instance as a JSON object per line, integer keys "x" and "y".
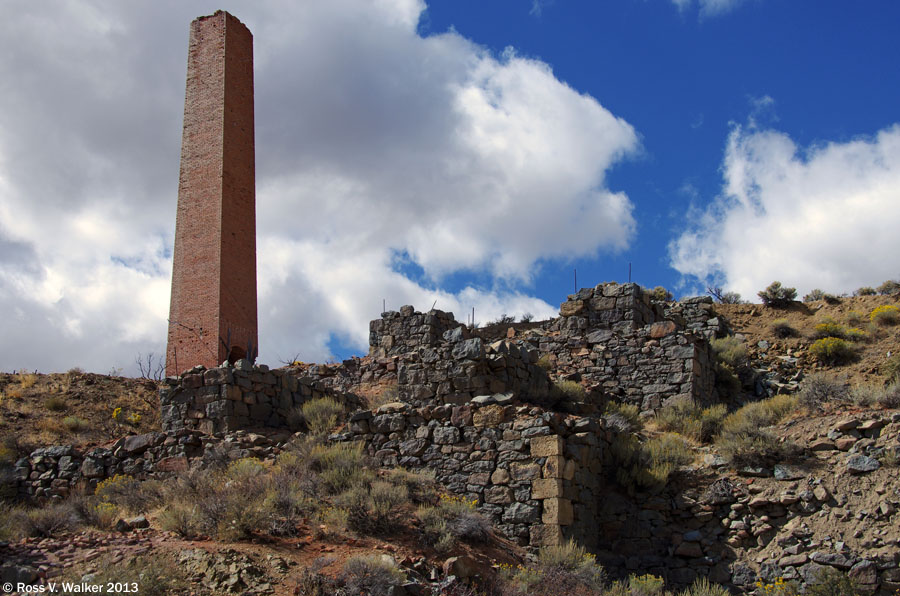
{"x": 212, "y": 313}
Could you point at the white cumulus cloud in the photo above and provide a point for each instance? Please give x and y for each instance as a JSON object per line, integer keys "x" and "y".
{"x": 824, "y": 217}
{"x": 379, "y": 153}
{"x": 709, "y": 8}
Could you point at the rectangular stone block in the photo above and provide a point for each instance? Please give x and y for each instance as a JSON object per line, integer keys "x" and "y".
{"x": 546, "y": 488}
{"x": 488, "y": 416}
{"x": 557, "y": 511}
{"x": 546, "y": 535}
{"x": 554, "y": 466}
{"x": 231, "y": 392}
{"x": 546, "y": 446}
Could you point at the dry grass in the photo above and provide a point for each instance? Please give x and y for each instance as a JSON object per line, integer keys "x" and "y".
{"x": 381, "y": 396}
{"x": 31, "y": 410}
{"x": 689, "y": 419}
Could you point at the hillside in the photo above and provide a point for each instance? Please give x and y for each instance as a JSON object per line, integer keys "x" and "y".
{"x": 75, "y": 407}
{"x": 756, "y": 323}
{"x": 821, "y": 496}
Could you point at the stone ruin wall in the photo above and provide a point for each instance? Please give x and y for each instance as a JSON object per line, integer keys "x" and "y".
{"x": 438, "y": 360}
{"x": 536, "y": 474}
{"x": 237, "y": 397}
{"x": 541, "y": 476}
{"x": 544, "y": 477}
{"x": 612, "y": 339}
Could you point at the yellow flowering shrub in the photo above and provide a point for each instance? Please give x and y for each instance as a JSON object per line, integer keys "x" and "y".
{"x": 832, "y": 350}
{"x": 886, "y": 314}
{"x": 777, "y": 588}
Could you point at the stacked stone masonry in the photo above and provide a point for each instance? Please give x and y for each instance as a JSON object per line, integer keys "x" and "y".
{"x": 539, "y": 475}
{"x": 54, "y": 472}
{"x": 237, "y": 397}
{"x": 615, "y": 341}
{"x": 536, "y": 474}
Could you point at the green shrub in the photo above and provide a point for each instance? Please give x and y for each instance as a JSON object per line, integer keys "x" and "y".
{"x": 157, "y": 575}
{"x": 731, "y": 355}
{"x": 777, "y": 296}
{"x": 744, "y": 440}
{"x": 74, "y": 424}
{"x": 321, "y": 414}
{"x": 829, "y": 329}
{"x": 689, "y": 419}
{"x": 865, "y": 291}
{"x": 890, "y": 368}
{"x": 564, "y": 569}
{"x": 372, "y": 575}
{"x": 814, "y": 295}
{"x": 832, "y": 351}
{"x": 453, "y": 518}
{"x": 666, "y": 454}
{"x": 129, "y": 493}
{"x": 180, "y": 518}
{"x": 854, "y": 318}
{"x": 545, "y": 362}
{"x": 244, "y": 469}
{"x": 55, "y": 403}
{"x": 885, "y": 315}
{"x": 622, "y": 417}
{"x": 646, "y": 585}
{"x": 730, "y": 350}
{"x": 855, "y": 334}
{"x": 889, "y": 287}
{"x": 819, "y": 389}
{"x": 228, "y": 504}
{"x": 782, "y": 329}
{"x": 576, "y": 562}
{"x": 724, "y": 297}
{"x": 92, "y": 512}
{"x": 865, "y": 395}
{"x": 831, "y": 582}
{"x": 761, "y": 413}
{"x": 372, "y": 509}
{"x": 49, "y": 521}
{"x": 420, "y": 485}
{"x": 703, "y": 587}
{"x": 727, "y": 382}
{"x": 339, "y": 466}
{"x": 890, "y": 397}
{"x": 569, "y": 391}
{"x": 659, "y": 294}
{"x": 334, "y": 520}
{"x": 650, "y": 464}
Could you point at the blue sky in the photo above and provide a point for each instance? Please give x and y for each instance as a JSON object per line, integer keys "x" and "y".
{"x": 458, "y": 153}
{"x": 817, "y": 71}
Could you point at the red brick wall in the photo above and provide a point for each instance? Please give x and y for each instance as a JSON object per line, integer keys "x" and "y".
{"x": 214, "y": 271}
